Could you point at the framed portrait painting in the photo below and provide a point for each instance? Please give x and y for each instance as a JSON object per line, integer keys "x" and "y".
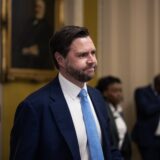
{"x": 28, "y": 27}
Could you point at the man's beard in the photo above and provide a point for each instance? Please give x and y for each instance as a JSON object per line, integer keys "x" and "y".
{"x": 79, "y": 74}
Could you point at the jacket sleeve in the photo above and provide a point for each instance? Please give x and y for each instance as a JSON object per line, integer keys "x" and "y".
{"x": 24, "y": 134}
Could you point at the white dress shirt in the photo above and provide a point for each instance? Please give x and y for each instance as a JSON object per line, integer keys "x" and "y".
{"x": 120, "y": 123}
{"x": 71, "y": 92}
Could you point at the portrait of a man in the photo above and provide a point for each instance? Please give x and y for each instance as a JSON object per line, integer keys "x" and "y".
{"x": 32, "y": 27}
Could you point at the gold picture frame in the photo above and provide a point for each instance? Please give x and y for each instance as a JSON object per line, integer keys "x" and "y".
{"x": 20, "y": 59}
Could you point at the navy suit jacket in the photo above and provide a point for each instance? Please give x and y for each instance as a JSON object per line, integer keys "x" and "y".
{"x": 43, "y": 128}
{"x": 148, "y": 116}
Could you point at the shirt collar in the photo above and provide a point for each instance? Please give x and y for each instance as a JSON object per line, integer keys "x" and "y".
{"x": 119, "y": 108}
{"x": 69, "y": 88}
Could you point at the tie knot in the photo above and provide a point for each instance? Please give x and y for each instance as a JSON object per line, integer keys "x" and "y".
{"x": 83, "y": 93}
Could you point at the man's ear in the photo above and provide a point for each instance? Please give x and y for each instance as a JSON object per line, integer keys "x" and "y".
{"x": 59, "y": 58}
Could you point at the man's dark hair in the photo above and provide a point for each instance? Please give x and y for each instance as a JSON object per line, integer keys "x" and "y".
{"x": 105, "y": 82}
{"x": 62, "y": 39}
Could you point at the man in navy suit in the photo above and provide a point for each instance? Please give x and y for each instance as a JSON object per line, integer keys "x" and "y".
{"x": 49, "y": 123}
{"x": 146, "y": 132}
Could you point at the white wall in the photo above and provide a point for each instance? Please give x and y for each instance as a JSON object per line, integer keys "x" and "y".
{"x": 73, "y": 12}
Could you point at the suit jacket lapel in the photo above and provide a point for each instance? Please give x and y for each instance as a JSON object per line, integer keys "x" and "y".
{"x": 97, "y": 103}
{"x": 63, "y": 118}
{"x": 97, "y": 106}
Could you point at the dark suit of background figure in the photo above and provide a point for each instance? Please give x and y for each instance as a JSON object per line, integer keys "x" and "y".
{"x": 126, "y": 146}
{"x": 148, "y": 116}
{"x": 37, "y": 32}
{"x": 48, "y": 133}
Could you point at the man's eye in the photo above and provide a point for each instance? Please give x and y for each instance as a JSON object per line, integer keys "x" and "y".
{"x": 93, "y": 53}
{"x": 83, "y": 55}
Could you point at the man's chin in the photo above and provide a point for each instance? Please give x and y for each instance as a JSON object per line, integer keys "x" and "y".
{"x": 91, "y": 74}
{"x": 88, "y": 77}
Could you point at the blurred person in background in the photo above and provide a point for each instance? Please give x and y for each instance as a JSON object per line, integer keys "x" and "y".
{"x": 111, "y": 89}
{"x": 146, "y": 132}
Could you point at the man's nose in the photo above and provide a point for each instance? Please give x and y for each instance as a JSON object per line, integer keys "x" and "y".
{"x": 91, "y": 58}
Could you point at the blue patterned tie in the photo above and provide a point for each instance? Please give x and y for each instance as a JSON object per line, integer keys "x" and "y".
{"x": 95, "y": 148}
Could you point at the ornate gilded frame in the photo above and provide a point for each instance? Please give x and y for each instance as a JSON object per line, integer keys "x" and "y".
{"x": 8, "y": 72}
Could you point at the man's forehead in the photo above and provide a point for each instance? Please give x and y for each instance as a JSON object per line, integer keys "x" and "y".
{"x": 85, "y": 42}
